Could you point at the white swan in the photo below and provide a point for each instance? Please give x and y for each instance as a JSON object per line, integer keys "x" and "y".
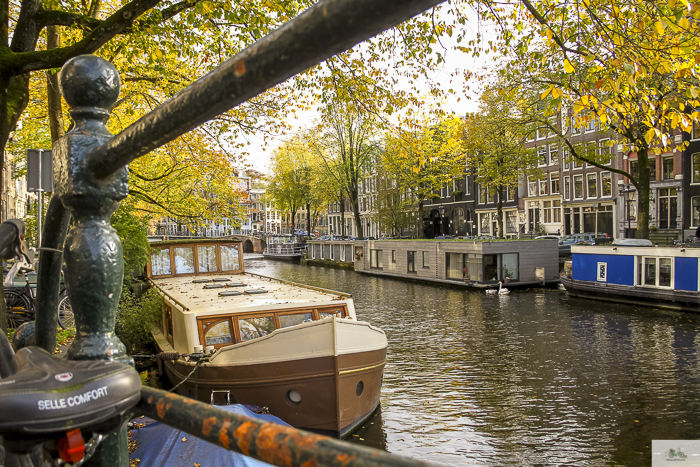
{"x": 501, "y": 290}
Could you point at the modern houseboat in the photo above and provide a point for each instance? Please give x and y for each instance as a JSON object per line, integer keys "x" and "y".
{"x": 284, "y": 247}
{"x": 663, "y": 277}
{"x": 296, "y": 349}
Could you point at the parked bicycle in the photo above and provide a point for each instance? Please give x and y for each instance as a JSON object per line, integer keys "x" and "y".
{"x": 20, "y": 299}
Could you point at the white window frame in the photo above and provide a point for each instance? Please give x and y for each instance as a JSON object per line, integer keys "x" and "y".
{"x": 602, "y": 146}
{"x": 573, "y": 187}
{"x": 551, "y": 179}
{"x": 658, "y": 263}
{"x": 567, "y": 187}
{"x": 530, "y": 191}
{"x": 693, "y": 180}
{"x": 543, "y": 183}
{"x": 603, "y": 195}
{"x": 542, "y": 150}
{"x": 588, "y": 177}
{"x": 553, "y": 150}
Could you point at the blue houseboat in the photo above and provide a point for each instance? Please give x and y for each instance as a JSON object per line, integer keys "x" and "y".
{"x": 663, "y": 277}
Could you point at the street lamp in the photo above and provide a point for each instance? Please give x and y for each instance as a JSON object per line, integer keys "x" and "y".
{"x": 441, "y": 208}
{"x": 624, "y": 191}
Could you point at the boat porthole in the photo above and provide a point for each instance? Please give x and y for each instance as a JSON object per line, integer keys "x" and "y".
{"x": 293, "y": 397}
{"x": 360, "y": 388}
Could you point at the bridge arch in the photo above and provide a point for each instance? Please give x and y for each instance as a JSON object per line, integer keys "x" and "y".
{"x": 248, "y": 246}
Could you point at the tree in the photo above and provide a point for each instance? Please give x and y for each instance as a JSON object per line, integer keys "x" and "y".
{"x": 347, "y": 147}
{"x": 291, "y": 183}
{"x": 422, "y": 156}
{"x": 629, "y": 66}
{"x": 494, "y": 141}
{"x": 395, "y": 208}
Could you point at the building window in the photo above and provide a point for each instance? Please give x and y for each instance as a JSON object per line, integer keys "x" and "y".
{"x": 556, "y": 211}
{"x": 567, "y": 188}
{"x": 668, "y": 208}
{"x": 542, "y": 156}
{"x": 606, "y": 184}
{"x": 483, "y": 194}
{"x": 695, "y": 210}
{"x": 655, "y": 272}
{"x": 553, "y": 155}
{"x": 554, "y": 183}
{"x": 695, "y": 133}
{"x": 667, "y": 167}
{"x": 578, "y": 186}
{"x": 565, "y": 158}
{"x": 426, "y": 259}
{"x": 376, "y": 259}
{"x": 393, "y": 256}
{"x": 411, "y": 260}
{"x": 652, "y": 168}
{"x": 590, "y": 126}
{"x": 543, "y": 187}
{"x": 547, "y": 212}
{"x": 531, "y": 186}
{"x": 592, "y": 185}
{"x": 605, "y": 152}
{"x": 510, "y": 193}
{"x": 576, "y": 164}
{"x": 695, "y": 161}
{"x": 485, "y": 222}
{"x": 575, "y": 130}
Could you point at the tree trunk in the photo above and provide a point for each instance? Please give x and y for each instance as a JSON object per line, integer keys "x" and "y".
{"x": 421, "y": 230}
{"x": 56, "y": 124}
{"x": 342, "y": 218}
{"x": 643, "y": 192}
{"x": 308, "y": 220}
{"x": 500, "y": 212}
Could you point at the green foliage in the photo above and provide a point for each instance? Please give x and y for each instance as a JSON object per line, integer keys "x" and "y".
{"x": 135, "y": 317}
{"x": 133, "y": 233}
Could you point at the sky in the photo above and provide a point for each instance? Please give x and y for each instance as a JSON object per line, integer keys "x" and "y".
{"x": 464, "y": 100}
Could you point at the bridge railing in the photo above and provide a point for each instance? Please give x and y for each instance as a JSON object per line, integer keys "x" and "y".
{"x": 92, "y": 178}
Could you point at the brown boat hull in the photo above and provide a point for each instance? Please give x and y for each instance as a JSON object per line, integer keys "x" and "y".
{"x": 337, "y": 392}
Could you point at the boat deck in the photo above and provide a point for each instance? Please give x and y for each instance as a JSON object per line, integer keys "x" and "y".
{"x": 240, "y": 293}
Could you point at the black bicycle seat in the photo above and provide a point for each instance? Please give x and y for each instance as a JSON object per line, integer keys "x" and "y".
{"x": 47, "y": 394}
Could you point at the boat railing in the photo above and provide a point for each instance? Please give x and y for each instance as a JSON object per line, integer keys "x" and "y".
{"x": 311, "y": 287}
{"x": 92, "y": 165}
{"x": 163, "y": 292}
{"x": 286, "y": 249}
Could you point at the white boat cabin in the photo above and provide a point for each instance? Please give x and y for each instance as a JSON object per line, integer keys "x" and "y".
{"x": 210, "y": 300}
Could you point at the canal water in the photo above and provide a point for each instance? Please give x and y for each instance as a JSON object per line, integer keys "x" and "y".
{"x": 531, "y": 378}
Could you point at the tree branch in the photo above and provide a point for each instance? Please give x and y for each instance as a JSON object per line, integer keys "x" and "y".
{"x": 64, "y": 18}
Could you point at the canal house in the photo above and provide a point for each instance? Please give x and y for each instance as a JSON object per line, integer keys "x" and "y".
{"x": 516, "y": 262}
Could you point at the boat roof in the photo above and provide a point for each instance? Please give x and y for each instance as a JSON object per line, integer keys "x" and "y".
{"x": 193, "y": 294}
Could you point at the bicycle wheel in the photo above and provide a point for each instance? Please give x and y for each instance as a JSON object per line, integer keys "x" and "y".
{"x": 18, "y": 308}
{"x": 65, "y": 314}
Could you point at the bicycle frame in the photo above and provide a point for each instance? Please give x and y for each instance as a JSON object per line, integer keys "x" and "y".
{"x": 92, "y": 180}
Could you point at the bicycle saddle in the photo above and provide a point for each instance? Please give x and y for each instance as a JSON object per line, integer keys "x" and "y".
{"x": 46, "y": 394}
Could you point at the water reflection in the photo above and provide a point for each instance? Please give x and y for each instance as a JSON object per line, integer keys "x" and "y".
{"x": 532, "y": 378}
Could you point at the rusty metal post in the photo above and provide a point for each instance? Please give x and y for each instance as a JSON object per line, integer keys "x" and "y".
{"x": 269, "y": 442}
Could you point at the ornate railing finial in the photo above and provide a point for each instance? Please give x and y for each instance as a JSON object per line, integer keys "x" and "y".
{"x": 93, "y": 253}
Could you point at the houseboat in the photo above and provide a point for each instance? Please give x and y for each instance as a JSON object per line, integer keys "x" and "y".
{"x": 296, "y": 349}
{"x": 284, "y": 247}
{"x": 639, "y": 274}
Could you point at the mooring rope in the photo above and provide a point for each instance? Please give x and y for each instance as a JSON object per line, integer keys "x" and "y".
{"x": 202, "y": 360}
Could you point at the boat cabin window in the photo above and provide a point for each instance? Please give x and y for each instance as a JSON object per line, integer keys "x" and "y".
{"x": 195, "y": 259}
{"x": 654, "y": 271}
{"x": 184, "y": 260}
{"x": 160, "y": 262}
{"x": 217, "y": 332}
{"x": 224, "y": 330}
{"x": 252, "y": 328}
{"x": 229, "y": 258}
{"x": 207, "y": 258}
{"x": 169, "y": 323}
{"x": 294, "y": 319}
{"x": 328, "y": 313}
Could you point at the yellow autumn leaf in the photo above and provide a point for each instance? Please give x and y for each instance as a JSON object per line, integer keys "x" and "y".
{"x": 577, "y": 108}
{"x": 556, "y": 93}
{"x": 568, "y": 67}
{"x": 184, "y": 439}
{"x": 659, "y": 26}
{"x": 650, "y": 135}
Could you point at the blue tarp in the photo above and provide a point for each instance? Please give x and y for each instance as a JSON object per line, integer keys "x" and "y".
{"x": 161, "y": 445}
